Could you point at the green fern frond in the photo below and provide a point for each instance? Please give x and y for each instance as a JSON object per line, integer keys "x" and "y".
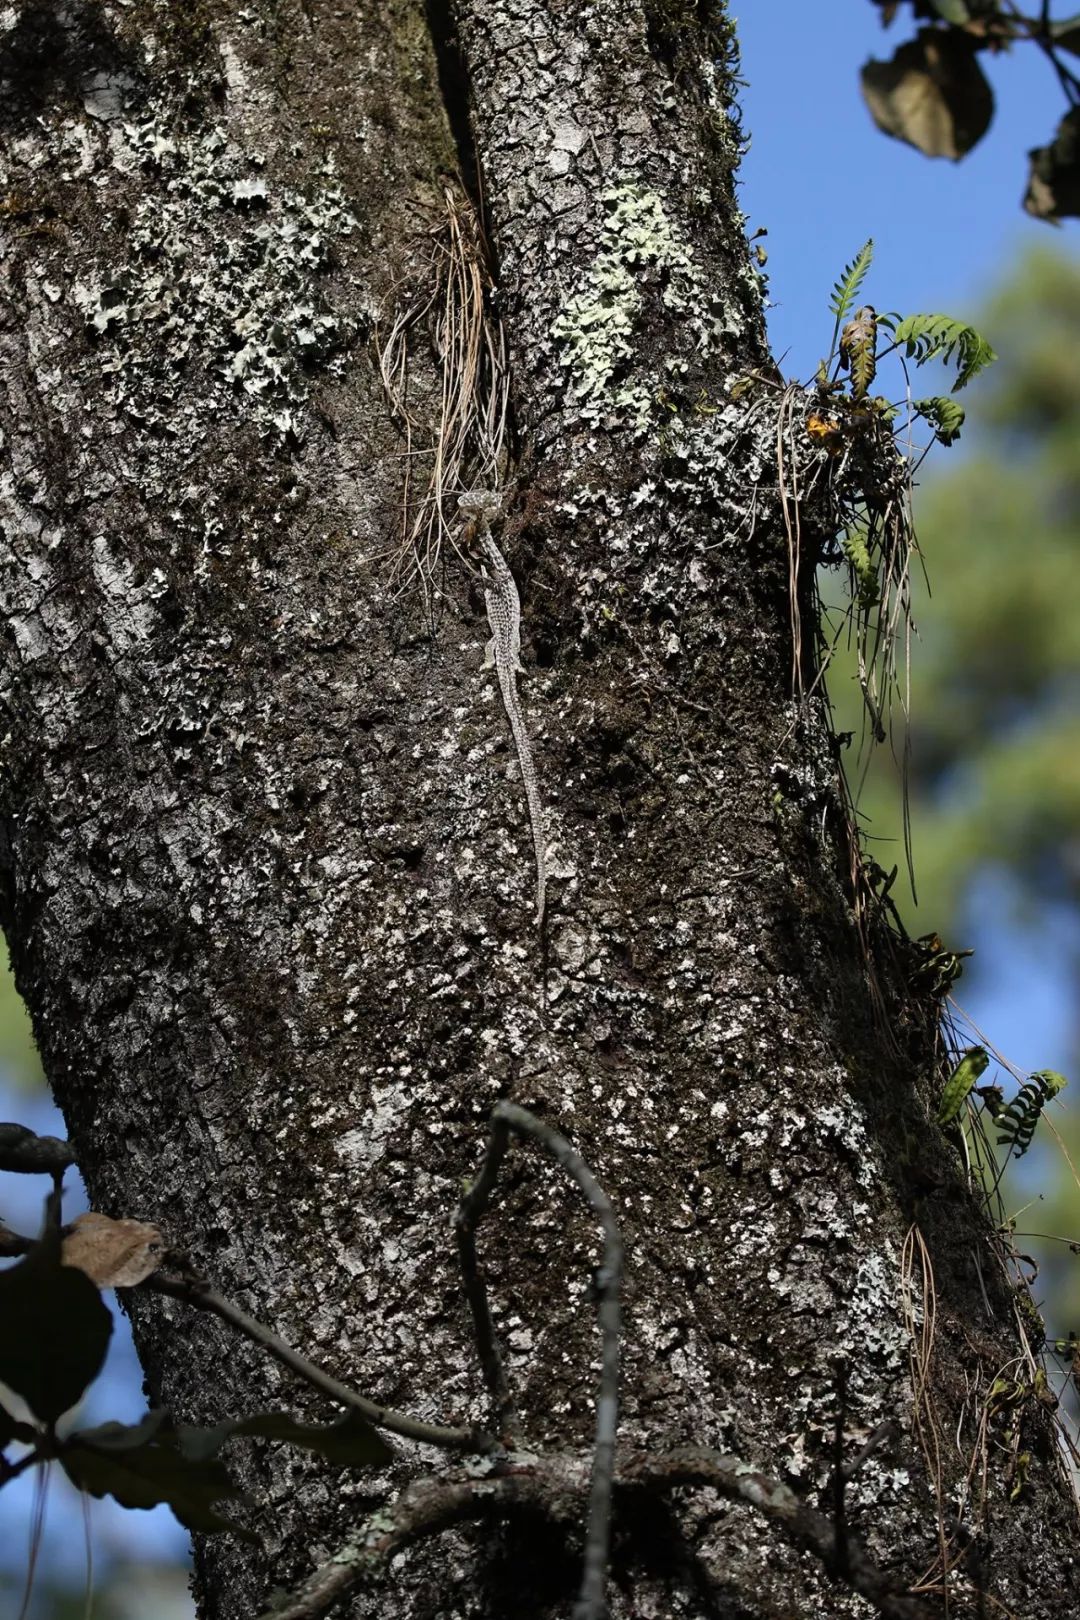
{"x": 846, "y": 289}
{"x": 960, "y": 1082}
{"x": 854, "y": 544}
{"x": 883, "y": 408}
{"x": 930, "y": 337}
{"x": 1017, "y": 1122}
{"x": 944, "y": 415}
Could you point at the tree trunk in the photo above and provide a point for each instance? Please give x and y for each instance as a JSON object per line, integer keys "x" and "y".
{"x": 267, "y": 863}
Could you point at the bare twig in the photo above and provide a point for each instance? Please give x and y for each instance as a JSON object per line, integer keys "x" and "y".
{"x": 549, "y": 1484}
{"x": 732, "y": 1477}
{"x": 426, "y": 1508}
{"x": 193, "y": 1290}
{"x": 466, "y": 1220}
{"x": 507, "y": 1117}
{"x": 12, "y": 1470}
{"x": 198, "y": 1293}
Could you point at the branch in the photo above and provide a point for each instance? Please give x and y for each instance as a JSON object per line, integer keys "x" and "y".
{"x": 507, "y": 1117}
{"x": 549, "y": 1485}
{"x": 425, "y": 1508}
{"x": 12, "y": 1470}
{"x": 198, "y": 1293}
{"x": 193, "y": 1290}
{"x": 805, "y": 1526}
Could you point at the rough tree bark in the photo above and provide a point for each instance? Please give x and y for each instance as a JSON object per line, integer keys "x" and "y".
{"x": 266, "y": 869}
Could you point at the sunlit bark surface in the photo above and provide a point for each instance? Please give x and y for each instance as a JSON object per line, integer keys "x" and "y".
{"x": 266, "y": 865}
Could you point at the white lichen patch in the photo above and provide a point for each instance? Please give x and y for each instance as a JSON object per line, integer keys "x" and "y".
{"x": 872, "y": 1321}
{"x": 221, "y": 274}
{"x": 365, "y": 1144}
{"x": 878, "y": 1482}
{"x": 597, "y": 328}
{"x": 128, "y": 603}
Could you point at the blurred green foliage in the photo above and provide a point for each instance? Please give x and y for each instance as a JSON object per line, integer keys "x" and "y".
{"x": 52, "y": 1601}
{"x": 994, "y": 776}
{"x": 994, "y": 773}
{"x": 18, "y": 1054}
{"x": 126, "y": 1592}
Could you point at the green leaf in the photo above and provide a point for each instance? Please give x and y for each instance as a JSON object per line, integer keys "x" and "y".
{"x": 959, "y": 1084}
{"x": 351, "y": 1441}
{"x": 854, "y": 544}
{"x": 142, "y": 1465}
{"x": 858, "y": 350}
{"x": 944, "y": 415}
{"x": 953, "y": 11}
{"x": 54, "y": 1330}
{"x": 1050, "y": 1081}
{"x": 846, "y": 290}
{"x": 1018, "y": 1121}
{"x": 940, "y": 337}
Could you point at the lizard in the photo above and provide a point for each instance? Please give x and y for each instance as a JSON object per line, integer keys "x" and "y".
{"x": 503, "y": 654}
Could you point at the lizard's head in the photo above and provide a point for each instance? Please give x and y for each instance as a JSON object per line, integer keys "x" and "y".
{"x": 480, "y": 503}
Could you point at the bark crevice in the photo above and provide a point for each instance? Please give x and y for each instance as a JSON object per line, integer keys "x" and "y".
{"x": 453, "y": 78}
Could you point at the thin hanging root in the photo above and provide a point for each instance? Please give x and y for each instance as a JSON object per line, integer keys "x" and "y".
{"x": 879, "y": 540}
{"x": 917, "y": 1286}
{"x": 463, "y": 445}
{"x": 915, "y": 1291}
{"x": 786, "y": 419}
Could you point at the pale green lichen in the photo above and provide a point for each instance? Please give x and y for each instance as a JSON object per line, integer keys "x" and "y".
{"x": 596, "y": 329}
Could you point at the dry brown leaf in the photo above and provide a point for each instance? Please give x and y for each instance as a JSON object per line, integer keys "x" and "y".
{"x": 113, "y": 1254}
{"x": 858, "y": 343}
{"x": 932, "y": 94}
{"x": 1053, "y": 190}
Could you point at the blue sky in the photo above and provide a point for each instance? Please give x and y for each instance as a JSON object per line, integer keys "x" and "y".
{"x": 118, "y": 1535}
{"x": 821, "y": 179}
